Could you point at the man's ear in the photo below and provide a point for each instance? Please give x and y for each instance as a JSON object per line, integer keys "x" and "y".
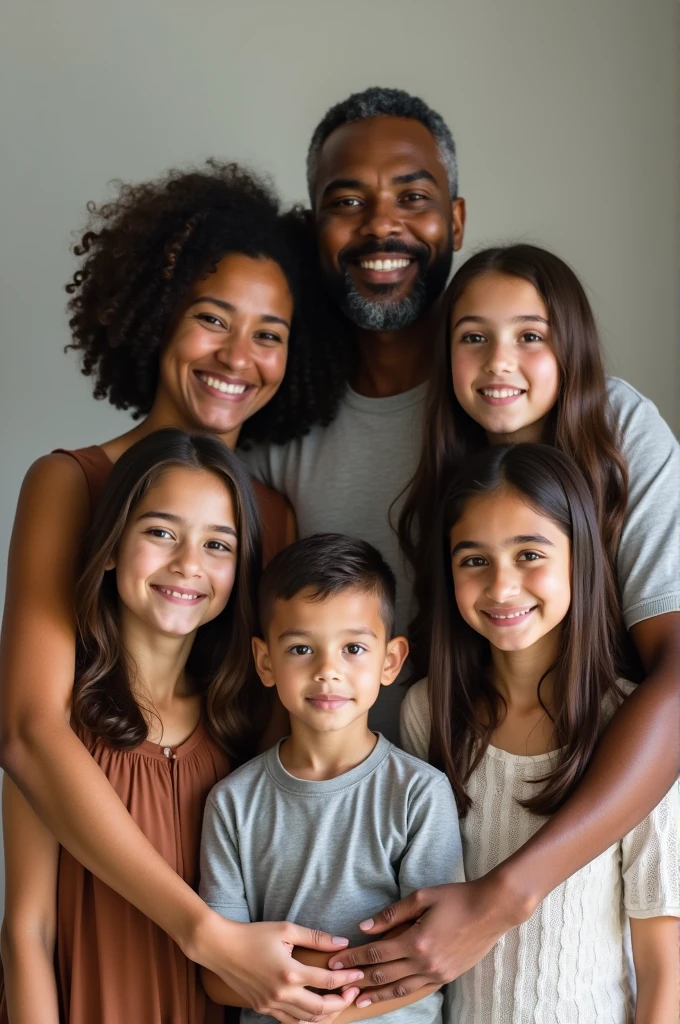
{"x": 262, "y": 661}
{"x": 395, "y": 656}
{"x": 458, "y": 222}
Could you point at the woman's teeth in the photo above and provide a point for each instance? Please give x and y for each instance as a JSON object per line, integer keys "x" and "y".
{"x": 384, "y": 264}
{"x": 501, "y": 392}
{"x": 221, "y": 385}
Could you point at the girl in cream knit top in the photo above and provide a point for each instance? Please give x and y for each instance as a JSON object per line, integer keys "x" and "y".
{"x": 517, "y": 576}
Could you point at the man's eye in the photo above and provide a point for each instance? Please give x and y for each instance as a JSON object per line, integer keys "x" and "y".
{"x": 415, "y": 196}
{"x": 300, "y": 649}
{"x": 347, "y": 201}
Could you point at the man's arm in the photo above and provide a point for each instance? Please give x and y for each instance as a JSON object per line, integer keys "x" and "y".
{"x": 634, "y": 765}
{"x": 30, "y": 923}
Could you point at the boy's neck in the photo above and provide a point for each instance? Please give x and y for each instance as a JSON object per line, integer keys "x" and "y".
{"x": 319, "y": 756}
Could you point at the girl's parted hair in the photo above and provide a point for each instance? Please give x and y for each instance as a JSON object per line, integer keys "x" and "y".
{"x": 465, "y": 708}
{"x": 579, "y": 424}
{"x": 139, "y": 257}
{"x": 220, "y": 663}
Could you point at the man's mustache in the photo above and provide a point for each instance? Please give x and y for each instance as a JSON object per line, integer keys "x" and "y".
{"x": 389, "y": 247}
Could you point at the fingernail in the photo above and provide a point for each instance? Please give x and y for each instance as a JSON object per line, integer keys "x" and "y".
{"x": 337, "y": 967}
{"x": 337, "y": 941}
{"x": 363, "y": 1003}
{"x": 365, "y": 925}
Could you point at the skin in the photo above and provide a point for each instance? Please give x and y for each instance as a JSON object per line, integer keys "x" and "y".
{"x": 361, "y": 201}
{"x": 501, "y": 341}
{"x": 637, "y": 758}
{"x": 39, "y": 751}
{"x": 327, "y": 659}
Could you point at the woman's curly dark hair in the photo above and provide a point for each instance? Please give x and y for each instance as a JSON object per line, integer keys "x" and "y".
{"x": 140, "y": 256}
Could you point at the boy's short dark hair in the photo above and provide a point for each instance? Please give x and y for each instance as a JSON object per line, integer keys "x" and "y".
{"x": 328, "y": 564}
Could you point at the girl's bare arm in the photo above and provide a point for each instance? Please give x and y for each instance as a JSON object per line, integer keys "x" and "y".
{"x": 29, "y": 927}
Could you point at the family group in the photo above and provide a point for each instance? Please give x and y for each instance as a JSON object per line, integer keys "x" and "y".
{"x": 345, "y": 683}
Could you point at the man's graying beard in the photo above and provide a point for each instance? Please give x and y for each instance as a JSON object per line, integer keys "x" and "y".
{"x": 381, "y": 313}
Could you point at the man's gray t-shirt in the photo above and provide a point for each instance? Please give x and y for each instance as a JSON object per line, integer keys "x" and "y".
{"x": 329, "y": 854}
{"x": 344, "y": 478}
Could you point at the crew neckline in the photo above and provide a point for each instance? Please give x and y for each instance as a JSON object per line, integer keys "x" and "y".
{"x": 393, "y": 403}
{"x": 310, "y": 787}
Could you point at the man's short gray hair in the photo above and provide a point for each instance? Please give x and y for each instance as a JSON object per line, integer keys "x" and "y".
{"x": 378, "y": 102}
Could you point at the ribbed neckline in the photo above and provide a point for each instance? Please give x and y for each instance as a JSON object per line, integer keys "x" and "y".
{"x": 307, "y": 787}
{"x": 386, "y": 406}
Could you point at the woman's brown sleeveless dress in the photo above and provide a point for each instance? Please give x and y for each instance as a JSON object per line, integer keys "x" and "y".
{"x": 114, "y": 965}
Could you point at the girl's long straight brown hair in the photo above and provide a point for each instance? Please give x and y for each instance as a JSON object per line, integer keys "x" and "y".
{"x": 220, "y": 663}
{"x": 465, "y": 708}
{"x": 579, "y": 424}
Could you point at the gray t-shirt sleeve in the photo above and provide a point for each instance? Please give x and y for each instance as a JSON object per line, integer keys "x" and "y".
{"x": 648, "y": 560}
{"x": 221, "y": 885}
{"x": 263, "y": 466}
{"x": 434, "y": 853}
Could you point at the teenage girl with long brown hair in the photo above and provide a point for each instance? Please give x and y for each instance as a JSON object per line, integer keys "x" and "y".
{"x": 164, "y": 703}
{"x": 521, "y": 682}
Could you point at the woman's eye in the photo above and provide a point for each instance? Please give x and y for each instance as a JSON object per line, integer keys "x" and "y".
{"x": 528, "y": 556}
{"x": 208, "y": 318}
{"x": 354, "y": 649}
{"x": 471, "y": 338}
{"x": 267, "y": 336}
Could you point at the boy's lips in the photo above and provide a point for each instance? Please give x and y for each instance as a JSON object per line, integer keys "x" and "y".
{"x": 328, "y": 701}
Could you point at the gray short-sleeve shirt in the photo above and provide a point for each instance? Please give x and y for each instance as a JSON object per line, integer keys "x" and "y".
{"x": 329, "y": 854}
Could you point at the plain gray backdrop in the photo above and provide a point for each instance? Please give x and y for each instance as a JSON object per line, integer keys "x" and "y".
{"x": 563, "y": 112}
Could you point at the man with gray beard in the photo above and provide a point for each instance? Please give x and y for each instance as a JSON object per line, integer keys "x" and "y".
{"x": 382, "y": 178}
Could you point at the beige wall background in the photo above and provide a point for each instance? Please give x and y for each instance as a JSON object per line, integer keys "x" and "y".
{"x": 562, "y": 112}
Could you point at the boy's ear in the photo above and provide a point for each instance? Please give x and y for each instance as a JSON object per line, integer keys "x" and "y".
{"x": 395, "y": 656}
{"x": 262, "y": 661}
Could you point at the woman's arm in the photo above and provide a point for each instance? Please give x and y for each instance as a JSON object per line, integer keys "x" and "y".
{"x": 634, "y": 765}
{"x": 63, "y": 783}
{"x": 655, "y": 943}
{"x": 30, "y": 923}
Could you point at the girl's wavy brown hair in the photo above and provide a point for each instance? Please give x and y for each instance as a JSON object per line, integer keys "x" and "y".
{"x": 220, "y": 664}
{"x": 465, "y": 707}
{"x": 580, "y": 423}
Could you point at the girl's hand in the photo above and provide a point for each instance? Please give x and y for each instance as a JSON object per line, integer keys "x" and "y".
{"x": 255, "y": 960}
{"x": 453, "y": 927}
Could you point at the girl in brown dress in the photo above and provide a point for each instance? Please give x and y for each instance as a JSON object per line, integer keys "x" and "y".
{"x": 185, "y": 310}
{"x": 164, "y": 702}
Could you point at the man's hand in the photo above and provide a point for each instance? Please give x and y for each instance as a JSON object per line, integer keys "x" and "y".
{"x": 453, "y": 927}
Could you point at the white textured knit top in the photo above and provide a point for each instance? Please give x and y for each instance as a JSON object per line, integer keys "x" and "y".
{"x": 570, "y": 963}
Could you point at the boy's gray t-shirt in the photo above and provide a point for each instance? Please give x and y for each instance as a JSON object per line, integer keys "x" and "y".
{"x": 329, "y": 854}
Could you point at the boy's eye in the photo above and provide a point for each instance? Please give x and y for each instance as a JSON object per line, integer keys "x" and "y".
{"x": 300, "y": 649}
{"x": 354, "y": 648}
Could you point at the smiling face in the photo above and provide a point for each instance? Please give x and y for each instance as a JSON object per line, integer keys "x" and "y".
{"x": 328, "y": 658}
{"x": 511, "y": 570}
{"x": 176, "y": 561}
{"x": 505, "y": 372}
{"x": 227, "y": 355}
{"x": 386, "y": 224}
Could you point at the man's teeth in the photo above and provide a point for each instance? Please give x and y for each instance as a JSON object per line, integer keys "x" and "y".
{"x": 176, "y": 593}
{"x": 501, "y": 392}
{"x": 221, "y": 385}
{"x": 511, "y": 615}
{"x": 384, "y": 264}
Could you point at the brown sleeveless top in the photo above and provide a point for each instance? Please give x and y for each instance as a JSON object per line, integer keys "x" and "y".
{"x": 97, "y": 466}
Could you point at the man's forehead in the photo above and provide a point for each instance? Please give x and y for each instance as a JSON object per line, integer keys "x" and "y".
{"x": 359, "y": 147}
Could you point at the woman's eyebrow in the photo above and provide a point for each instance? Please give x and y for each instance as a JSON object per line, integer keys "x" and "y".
{"x": 228, "y": 307}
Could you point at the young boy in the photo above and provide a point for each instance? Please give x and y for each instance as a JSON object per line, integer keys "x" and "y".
{"x": 334, "y": 823}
